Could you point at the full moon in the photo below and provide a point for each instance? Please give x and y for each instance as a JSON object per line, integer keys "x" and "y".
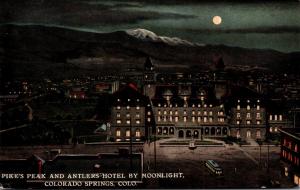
{"x": 217, "y": 20}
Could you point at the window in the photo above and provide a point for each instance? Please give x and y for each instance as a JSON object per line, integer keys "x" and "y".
{"x": 248, "y": 122}
{"x": 280, "y": 117}
{"x": 118, "y": 132}
{"x": 159, "y": 112}
{"x": 118, "y": 107}
{"x": 257, "y": 115}
{"x": 184, "y": 112}
{"x": 237, "y": 122}
{"x": 210, "y": 113}
{"x": 258, "y": 122}
{"x": 199, "y": 119}
{"x": 238, "y": 115}
{"x": 238, "y": 107}
{"x": 128, "y": 100}
{"x": 257, "y": 107}
{"x": 248, "y": 134}
{"x": 137, "y": 107}
{"x": 138, "y": 133}
{"x": 158, "y": 118}
{"x": 204, "y": 119}
{"x": 128, "y": 107}
{"x": 118, "y": 115}
{"x": 193, "y": 119}
{"x": 149, "y": 119}
{"x": 248, "y": 116}
{"x": 176, "y": 112}
{"x": 127, "y": 121}
{"x": 248, "y": 107}
{"x": 193, "y": 112}
{"x": 258, "y": 134}
{"x": 171, "y": 113}
{"x": 270, "y": 117}
{"x": 205, "y": 112}
{"x": 276, "y": 129}
{"x": 176, "y": 119}
{"x": 210, "y": 119}
{"x": 221, "y": 120}
{"x": 127, "y": 114}
{"x": 119, "y": 100}
{"x": 171, "y": 118}
{"x": 271, "y": 129}
{"x": 220, "y": 113}
{"x": 119, "y": 121}
{"x": 148, "y": 113}
{"x": 137, "y": 115}
{"x": 138, "y": 121}
{"x": 127, "y": 133}
{"x": 275, "y": 117}
{"x": 184, "y": 118}
{"x": 165, "y": 112}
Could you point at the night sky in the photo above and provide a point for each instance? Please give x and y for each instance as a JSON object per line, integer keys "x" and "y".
{"x": 273, "y": 25}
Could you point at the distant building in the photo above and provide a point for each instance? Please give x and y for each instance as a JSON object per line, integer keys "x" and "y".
{"x": 290, "y": 153}
{"x": 131, "y": 115}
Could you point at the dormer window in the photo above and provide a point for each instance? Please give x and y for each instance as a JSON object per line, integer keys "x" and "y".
{"x": 238, "y": 107}
{"x": 248, "y": 107}
{"x": 258, "y": 107}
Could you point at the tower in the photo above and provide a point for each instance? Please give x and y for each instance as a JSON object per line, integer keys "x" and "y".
{"x": 149, "y": 78}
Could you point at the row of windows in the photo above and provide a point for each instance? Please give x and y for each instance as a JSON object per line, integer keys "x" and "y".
{"x": 275, "y": 117}
{"x": 248, "y": 122}
{"x": 185, "y": 119}
{"x": 290, "y": 157}
{"x": 248, "y": 115}
{"x": 288, "y": 144}
{"x": 127, "y": 121}
{"x": 220, "y": 113}
{"x": 273, "y": 129}
{"x": 137, "y": 115}
{"x": 127, "y": 133}
{"x": 128, "y": 100}
{"x": 248, "y": 134}
{"x": 186, "y": 105}
{"x": 248, "y": 107}
{"x": 128, "y": 107}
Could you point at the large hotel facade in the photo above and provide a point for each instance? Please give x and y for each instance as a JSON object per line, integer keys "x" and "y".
{"x": 188, "y": 109}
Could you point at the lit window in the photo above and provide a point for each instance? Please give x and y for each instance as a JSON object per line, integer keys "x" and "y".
{"x": 248, "y": 116}
{"x": 199, "y": 119}
{"x": 248, "y": 107}
{"x": 127, "y": 121}
{"x": 118, "y": 107}
{"x": 193, "y": 112}
{"x": 257, "y": 115}
{"x": 127, "y": 133}
{"x": 171, "y": 118}
{"x": 238, "y": 107}
{"x": 271, "y": 118}
{"x": 210, "y": 113}
{"x": 127, "y": 115}
{"x": 159, "y": 112}
{"x": 149, "y": 119}
{"x": 128, "y": 107}
{"x": 276, "y": 129}
{"x": 210, "y": 105}
{"x": 258, "y": 107}
{"x": 258, "y": 122}
{"x": 199, "y": 112}
{"x": 184, "y": 112}
{"x": 237, "y": 122}
{"x": 176, "y": 112}
{"x": 275, "y": 117}
{"x": 248, "y": 122}
{"x": 205, "y": 105}
{"x": 137, "y": 133}
{"x": 137, "y": 121}
{"x": 128, "y": 100}
{"x": 193, "y": 119}
{"x": 119, "y": 100}
{"x": 280, "y": 117}
{"x": 199, "y": 105}
{"x": 171, "y": 113}
{"x": 258, "y": 134}
{"x": 118, "y": 132}
{"x": 210, "y": 119}
{"x": 137, "y": 107}
{"x": 238, "y": 115}
{"x": 158, "y": 118}
{"x": 184, "y": 118}
{"x": 165, "y": 119}
{"x": 205, "y": 112}
{"x": 220, "y": 113}
{"x": 176, "y": 119}
{"x": 137, "y": 115}
{"x": 165, "y": 112}
{"x": 118, "y": 115}
{"x": 271, "y": 129}
{"x": 119, "y": 121}
{"x": 204, "y": 119}
{"x": 159, "y": 105}
{"x": 137, "y": 100}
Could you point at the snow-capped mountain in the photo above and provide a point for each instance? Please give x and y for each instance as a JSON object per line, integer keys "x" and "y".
{"x": 147, "y": 35}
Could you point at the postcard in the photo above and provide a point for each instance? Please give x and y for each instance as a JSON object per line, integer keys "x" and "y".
{"x": 149, "y": 94}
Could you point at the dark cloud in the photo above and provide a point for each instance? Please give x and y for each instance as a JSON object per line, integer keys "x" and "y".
{"x": 275, "y": 29}
{"x": 77, "y": 13}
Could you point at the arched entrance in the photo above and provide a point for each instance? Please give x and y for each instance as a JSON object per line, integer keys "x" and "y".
{"x": 180, "y": 134}
{"x": 188, "y": 134}
{"x": 196, "y": 134}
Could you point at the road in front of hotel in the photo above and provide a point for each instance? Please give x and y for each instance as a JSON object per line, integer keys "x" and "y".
{"x": 243, "y": 167}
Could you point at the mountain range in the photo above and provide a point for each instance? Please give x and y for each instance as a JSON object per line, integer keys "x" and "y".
{"x": 30, "y": 51}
